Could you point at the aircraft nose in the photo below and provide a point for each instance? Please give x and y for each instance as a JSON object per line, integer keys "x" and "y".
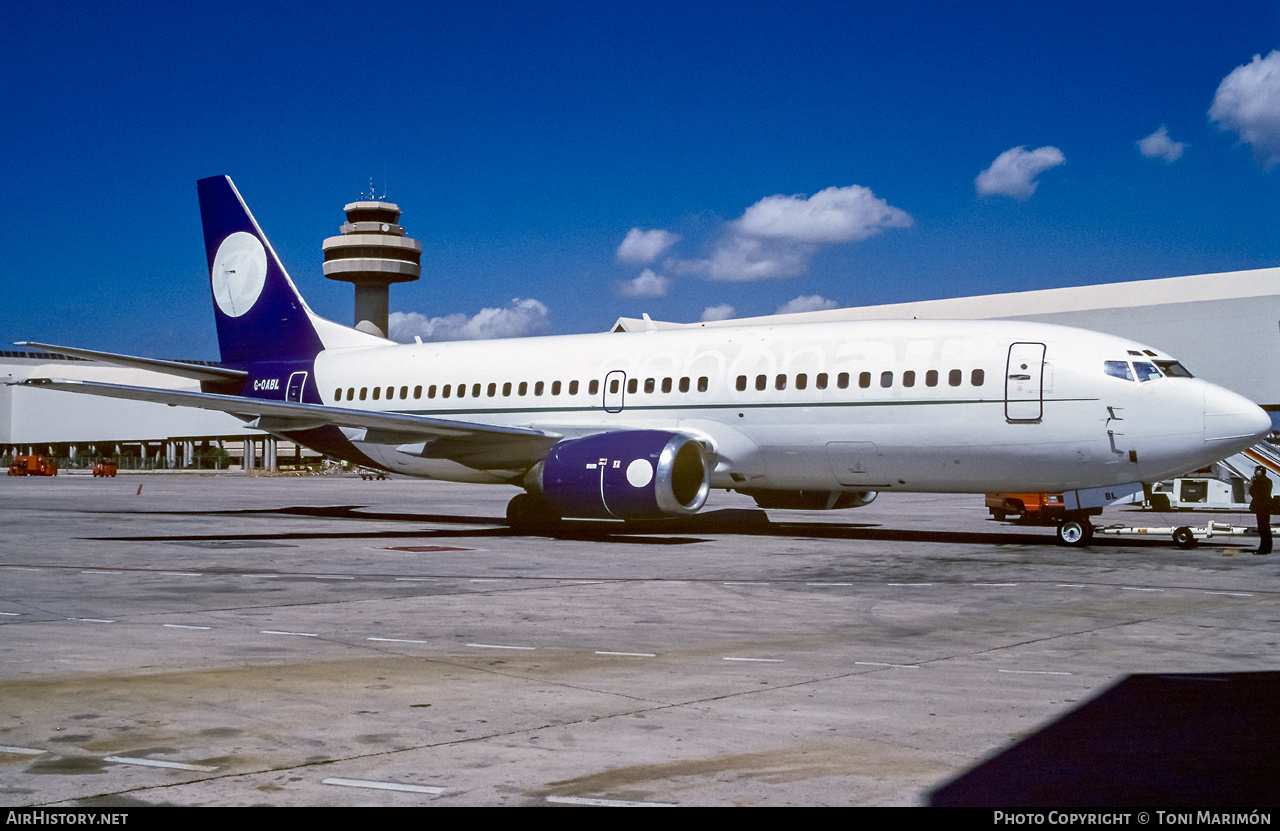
{"x": 1231, "y": 420}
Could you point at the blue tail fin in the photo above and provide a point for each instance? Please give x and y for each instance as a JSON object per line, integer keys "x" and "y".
{"x": 260, "y": 314}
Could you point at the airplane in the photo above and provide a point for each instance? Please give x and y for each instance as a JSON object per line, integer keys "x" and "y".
{"x": 644, "y": 424}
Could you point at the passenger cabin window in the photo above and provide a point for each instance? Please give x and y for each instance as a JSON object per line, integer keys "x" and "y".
{"x": 666, "y": 385}
{"x": 821, "y": 381}
{"x": 977, "y": 377}
{"x": 684, "y": 384}
{"x": 864, "y": 380}
{"x": 931, "y": 378}
{"x": 909, "y": 378}
{"x": 703, "y": 383}
{"x": 417, "y": 392}
{"x": 594, "y": 387}
{"x": 573, "y": 387}
{"x": 954, "y": 377}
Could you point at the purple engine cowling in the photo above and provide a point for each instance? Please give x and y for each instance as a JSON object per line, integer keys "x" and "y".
{"x": 631, "y": 474}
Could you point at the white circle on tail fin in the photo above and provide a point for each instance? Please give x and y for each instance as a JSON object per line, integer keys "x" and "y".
{"x": 239, "y": 273}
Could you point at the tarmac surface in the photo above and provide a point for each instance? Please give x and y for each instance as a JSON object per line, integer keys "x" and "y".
{"x": 229, "y": 640}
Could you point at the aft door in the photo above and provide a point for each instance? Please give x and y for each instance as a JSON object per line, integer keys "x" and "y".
{"x": 1024, "y": 383}
{"x": 297, "y": 383}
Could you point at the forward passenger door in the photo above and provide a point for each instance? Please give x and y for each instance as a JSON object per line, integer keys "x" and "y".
{"x": 1024, "y": 383}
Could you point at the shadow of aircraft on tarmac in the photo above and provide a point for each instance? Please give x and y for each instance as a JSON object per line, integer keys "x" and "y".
{"x": 1201, "y": 740}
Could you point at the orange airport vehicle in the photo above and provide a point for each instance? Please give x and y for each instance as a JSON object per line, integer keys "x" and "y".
{"x": 105, "y": 467}
{"x": 35, "y": 465}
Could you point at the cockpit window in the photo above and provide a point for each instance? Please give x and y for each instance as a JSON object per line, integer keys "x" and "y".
{"x": 1118, "y": 369}
{"x": 1146, "y": 371}
{"x": 1173, "y": 369}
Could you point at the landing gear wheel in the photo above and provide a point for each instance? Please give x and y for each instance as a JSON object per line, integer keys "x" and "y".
{"x": 1075, "y": 532}
{"x": 1183, "y": 538}
{"x": 527, "y": 513}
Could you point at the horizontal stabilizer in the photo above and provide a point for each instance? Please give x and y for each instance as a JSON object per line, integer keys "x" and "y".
{"x": 196, "y": 372}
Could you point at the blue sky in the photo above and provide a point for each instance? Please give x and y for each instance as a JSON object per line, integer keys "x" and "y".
{"x": 751, "y": 155}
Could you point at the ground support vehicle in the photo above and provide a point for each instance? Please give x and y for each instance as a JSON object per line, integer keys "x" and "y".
{"x": 34, "y": 465}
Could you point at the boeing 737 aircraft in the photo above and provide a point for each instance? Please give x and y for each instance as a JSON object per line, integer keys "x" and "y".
{"x": 642, "y": 425}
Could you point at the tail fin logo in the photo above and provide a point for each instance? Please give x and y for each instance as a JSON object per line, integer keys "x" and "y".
{"x": 239, "y": 272}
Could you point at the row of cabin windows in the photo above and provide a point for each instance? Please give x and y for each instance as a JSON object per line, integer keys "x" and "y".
{"x": 522, "y": 388}
{"x": 801, "y": 381}
{"x": 820, "y": 381}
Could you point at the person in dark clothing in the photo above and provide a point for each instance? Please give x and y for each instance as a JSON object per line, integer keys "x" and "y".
{"x": 1260, "y": 504}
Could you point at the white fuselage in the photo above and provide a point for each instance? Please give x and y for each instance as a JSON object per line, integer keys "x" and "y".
{"x": 936, "y": 406}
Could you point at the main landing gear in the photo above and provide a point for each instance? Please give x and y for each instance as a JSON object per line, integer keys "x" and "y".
{"x": 529, "y": 513}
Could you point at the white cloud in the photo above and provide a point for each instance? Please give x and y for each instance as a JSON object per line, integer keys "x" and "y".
{"x": 1248, "y": 102}
{"x": 643, "y": 247}
{"x": 648, "y": 284}
{"x": 1014, "y": 171}
{"x": 834, "y": 215}
{"x": 722, "y": 312}
{"x": 779, "y": 235}
{"x": 518, "y": 319}
{"x": 807, "y": 303}
{"x": 1158, "y": 145}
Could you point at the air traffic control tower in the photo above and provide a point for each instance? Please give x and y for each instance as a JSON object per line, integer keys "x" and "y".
{"x": 372, "y": 252}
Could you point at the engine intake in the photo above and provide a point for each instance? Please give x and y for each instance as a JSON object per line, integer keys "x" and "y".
{"x": 632, "y": 474}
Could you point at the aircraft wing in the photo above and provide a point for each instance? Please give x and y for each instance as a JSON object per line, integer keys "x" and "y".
{"x": 484, "y": 446}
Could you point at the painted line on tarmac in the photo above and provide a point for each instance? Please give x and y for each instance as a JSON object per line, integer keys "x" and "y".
{"x": 629, "y": 654}
{"x": 157, "y": 763}
{"x": 1032, "y": 672}
{"x": 90, "y": 620}
{"x": 25, "y": 751}
{"x": 299, "y": 634}
{"x": 758, "y": 660}
{"x": 394, "y": 640}
{"x": 607, "y": 803}
{"x": 879, "y": 664}
{"x": 498, "y": 646}
{"x": 184, "y": 626}
{"x": 382, "y": 786}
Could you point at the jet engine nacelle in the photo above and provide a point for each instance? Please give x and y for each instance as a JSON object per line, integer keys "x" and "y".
{"x": 631, "y": 474}
{"x": 810, "y": 500}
